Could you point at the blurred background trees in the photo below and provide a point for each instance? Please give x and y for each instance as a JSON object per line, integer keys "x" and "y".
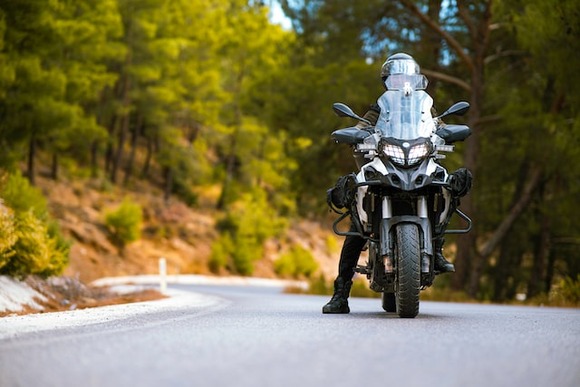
{"x": 191, "y": 94}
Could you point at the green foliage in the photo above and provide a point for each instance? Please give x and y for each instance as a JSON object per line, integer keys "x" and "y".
{"x": 297, "y": 262}
{"x": 125, "y": 221}
{"x": 319, "y": 285}
{"x": 19, "y": 195}
{"x": 221, "y": 251}
{"x": 243, "y": 231}
{"x": 35, "y": 251}
{"x": 332, "y": 245}
{"x": 31, "y": 243}
{"x": 210, "y": 92}
{"x": 360, "y": 288}
{"x": 8, "y": 233}
{"x": 568, "y": 290}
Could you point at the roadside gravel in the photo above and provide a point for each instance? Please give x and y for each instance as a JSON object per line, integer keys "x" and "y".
{"x": 15, "y": 293}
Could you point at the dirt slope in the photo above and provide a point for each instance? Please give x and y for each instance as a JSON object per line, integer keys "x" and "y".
{"x": 171, "y": 230}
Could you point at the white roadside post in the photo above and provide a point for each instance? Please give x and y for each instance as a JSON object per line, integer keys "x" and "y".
{"x": 162, "y": 275}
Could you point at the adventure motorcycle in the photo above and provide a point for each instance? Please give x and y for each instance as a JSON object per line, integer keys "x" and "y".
{"x": 401, "y": 193}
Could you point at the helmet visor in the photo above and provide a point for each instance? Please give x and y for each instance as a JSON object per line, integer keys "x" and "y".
{"x": 402, "y": 66}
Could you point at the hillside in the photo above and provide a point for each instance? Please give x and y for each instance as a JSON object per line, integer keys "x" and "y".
{"x": 172, "y": 230}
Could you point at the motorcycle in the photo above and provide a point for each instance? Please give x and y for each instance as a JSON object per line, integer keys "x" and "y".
{"x": 401, "y": 193}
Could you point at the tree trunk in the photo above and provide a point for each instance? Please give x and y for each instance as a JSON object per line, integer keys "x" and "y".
{"x": 124, "y": 128}
{"x": 231, "y": 161}
{"x": 549, "y": 271}
{"x": 148, "y": 155}
{"x": 134, "y": 135}
{"x": 466, "y": 249}
{"x": 230, "y": 170}
{"x": 168, "y": 173}
{"x": 31, "y": 156}
{"x": 541, "y": 252}
{"x": 54, "y": 167}
{"x": 507, "y": 269}
{"x": 94, "y": 151}
{"x": 110, "y": 151}
{"x": 468, "y": 265}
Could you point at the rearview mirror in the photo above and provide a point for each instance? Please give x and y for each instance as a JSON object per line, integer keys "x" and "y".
{"x": 343, "y": 110}
{"x": 457, "y": 109}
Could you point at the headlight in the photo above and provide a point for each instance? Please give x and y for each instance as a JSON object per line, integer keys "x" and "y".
{"x": 395, "y": 153}
{"x": 406, "y": 155}
{"x": 417, "y": 153}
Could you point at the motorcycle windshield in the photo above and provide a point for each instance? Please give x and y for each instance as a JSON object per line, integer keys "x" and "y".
{"x": 405, "y": 114}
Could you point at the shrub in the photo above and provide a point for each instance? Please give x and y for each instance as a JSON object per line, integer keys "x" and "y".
{"x": 360, "y": 288}
{"x": 332, "y": 245}
{"x": 243, "y": 231}
{"x": 30, "y": 243}
{"x": 35, "y": 251}
{"x": 221, "y": 250}
{"x": 124, "y": 223}
{"x": 565, "y": 293}
{"x": 20, "y": 196}
{"x": 570, "y": 289}
{"x": 296, "y": 262}
{"x": 8, "y": 234}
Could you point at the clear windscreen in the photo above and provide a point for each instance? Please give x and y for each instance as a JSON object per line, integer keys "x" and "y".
{"x": 403, "y": 81}
{"x": 404, "y": 115}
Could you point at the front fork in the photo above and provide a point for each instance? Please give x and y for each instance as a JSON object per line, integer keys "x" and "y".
{"x": 422, "y": 220}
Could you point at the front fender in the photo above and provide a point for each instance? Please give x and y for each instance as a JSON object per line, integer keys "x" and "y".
{"x": 388, "y": 224}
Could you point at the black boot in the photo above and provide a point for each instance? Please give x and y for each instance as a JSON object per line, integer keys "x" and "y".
{"x": 441, "y": 264}
{"x": 339, "y": 301}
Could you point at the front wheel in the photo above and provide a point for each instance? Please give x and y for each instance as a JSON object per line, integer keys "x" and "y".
{"x": 408, "y": 256}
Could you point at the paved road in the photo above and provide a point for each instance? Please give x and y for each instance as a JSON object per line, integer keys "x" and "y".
{"x": 258, "y": 337}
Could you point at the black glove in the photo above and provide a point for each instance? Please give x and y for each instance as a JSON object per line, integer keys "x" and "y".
{"x": 460, "y": 182}
{"x": 343, "y": 192}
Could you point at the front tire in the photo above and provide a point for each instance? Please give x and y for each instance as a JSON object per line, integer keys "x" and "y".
{"x": 408, "y": 256}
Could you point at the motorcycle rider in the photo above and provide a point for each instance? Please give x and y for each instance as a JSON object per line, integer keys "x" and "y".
{"x": 460, "y": 182}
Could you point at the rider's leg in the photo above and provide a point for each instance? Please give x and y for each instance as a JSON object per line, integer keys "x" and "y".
{"x": 349, "y": 256}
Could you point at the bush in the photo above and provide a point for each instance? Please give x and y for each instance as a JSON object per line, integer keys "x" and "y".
{"x": 221, "y": 250}
{"x": 296, "y": 262}
{"x": 124, "y": 223}
{"x": 8, "y": 234}
{"x": 20, "y": 196}
{"x": 565, "y": 293}
{"x": 30, "y": 243}
{"x": 243, "y": 231}
{"x": 35, "y": 251}
{"x": 570, "y": 289}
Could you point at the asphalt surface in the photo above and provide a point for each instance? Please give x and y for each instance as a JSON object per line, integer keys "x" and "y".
{"x": 256, "y": 336}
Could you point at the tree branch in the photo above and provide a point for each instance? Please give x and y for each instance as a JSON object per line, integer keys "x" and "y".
{"x": 447, "y": 78}
{"x": 516, "y": 210}
{"x": 464, "y": 14}
{"x": 453, "y": 43}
